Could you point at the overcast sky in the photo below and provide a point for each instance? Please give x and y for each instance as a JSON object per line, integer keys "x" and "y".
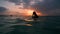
{"x": 49, "y": 7}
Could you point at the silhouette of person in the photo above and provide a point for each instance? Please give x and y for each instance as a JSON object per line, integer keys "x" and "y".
{"x": 34, "y": 16}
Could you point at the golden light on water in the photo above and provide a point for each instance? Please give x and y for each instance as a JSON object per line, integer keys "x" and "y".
{"x": 28, "y": 24}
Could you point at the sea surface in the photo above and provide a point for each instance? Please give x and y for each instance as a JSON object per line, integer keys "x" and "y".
{"x": 42, "y": 25}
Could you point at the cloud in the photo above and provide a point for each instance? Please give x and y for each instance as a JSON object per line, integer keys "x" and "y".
{"x": 55, "y": 12}
{"x": 26, "y": 3}
{"x": 55, "y": 4}
{"x": 17, "y": 2}
{"x": 44, "y": 6}
{"x": 48, "y": 4}
{"x": 2, "y": 9}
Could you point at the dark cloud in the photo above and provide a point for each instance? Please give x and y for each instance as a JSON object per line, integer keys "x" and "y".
{"x": 52, "y": 8}
{"x": 46, "y": 6}
{"x": 55, "y": 4}
{"x": 54, "y": 12}
{"x": 2, "y": 9}
{"x": 26, "y": 1}
{"x": 17, "y": 2}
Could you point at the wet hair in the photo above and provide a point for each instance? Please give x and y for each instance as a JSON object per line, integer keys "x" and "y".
{"x": 35, "y": 15}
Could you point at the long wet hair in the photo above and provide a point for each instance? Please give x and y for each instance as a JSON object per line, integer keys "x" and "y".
{"x": 34, "y": 15}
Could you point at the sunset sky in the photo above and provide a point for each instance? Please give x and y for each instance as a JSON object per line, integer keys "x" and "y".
{"x": 26, "y": 7}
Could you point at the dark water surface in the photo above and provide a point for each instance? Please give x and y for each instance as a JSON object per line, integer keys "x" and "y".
{"x": 46, "y": 25}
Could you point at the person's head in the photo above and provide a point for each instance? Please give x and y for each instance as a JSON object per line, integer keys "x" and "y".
{"x": 34, "y": 12}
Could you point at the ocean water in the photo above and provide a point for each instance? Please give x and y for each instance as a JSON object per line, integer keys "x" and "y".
{"x": 43, "y": 25}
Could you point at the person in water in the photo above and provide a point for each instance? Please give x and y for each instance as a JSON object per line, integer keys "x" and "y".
{"x": 34, "y": 16}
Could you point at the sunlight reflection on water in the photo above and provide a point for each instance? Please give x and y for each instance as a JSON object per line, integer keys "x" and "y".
{"x": 48, "y": 26}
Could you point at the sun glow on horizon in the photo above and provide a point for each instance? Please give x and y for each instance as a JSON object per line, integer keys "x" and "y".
{"x": 29, "y": 12}
{"x": 23, "y": 12}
